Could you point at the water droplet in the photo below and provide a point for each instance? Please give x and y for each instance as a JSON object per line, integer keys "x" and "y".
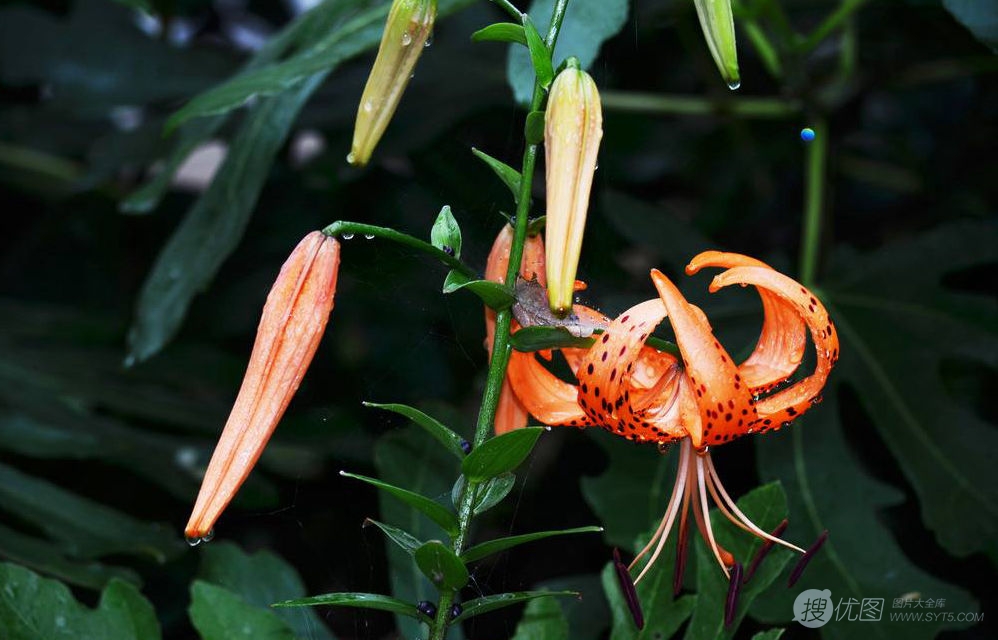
{"x": 60, "y": 621}
{"x": 351, "y": 157}
{"x": 406, "y": 39}
{"x": 429, "y": 40}
{"x": 130, "y": 360}
{"x": 734, "y": 84}
{"x": 807, "y": 134}
{"x": 347, "y": 236}
{"x": 369, "y": 236}
{"x": 368, "y": 106}
{"x": 196, "y": 540}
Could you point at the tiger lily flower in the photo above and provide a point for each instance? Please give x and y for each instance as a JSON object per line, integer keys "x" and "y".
{"x": 293, "y": 321}
{"x": 700, "y": 399}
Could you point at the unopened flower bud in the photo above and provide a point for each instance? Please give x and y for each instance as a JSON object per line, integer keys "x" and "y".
{"x": 407, "y": 32}
{"x": 719, "y": 31}
{"x": 293, "y": 321}
{"x": 573, "y": 127}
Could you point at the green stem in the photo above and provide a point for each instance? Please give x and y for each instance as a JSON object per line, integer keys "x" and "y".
{"x": 345, "y": 228}
{"x": 508, "y": 7}
{"x": 830, "y": 24}
{"x": 814, "y": 198}
{"x": 501, "y": 342}
{"x": 693, "y": 105}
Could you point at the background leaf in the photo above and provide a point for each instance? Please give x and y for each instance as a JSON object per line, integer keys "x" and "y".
{"x": 220, "y": 614}
{"x": 543, "y": 619}
{"x": 980, "y": 17}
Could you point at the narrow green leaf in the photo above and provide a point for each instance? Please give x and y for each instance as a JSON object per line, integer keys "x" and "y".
{"x": 403, "y": 539}
{"x": 213, "y": 227}
{"x": 587, "y": 25}
{"x": 36, "y": 608}
{"x": 82, "y": 527}
{"x": 441, "y": 566}
{"x": 257, "y": 580}
{"x": 500, "y": 454}
{"x": 486, "y": 549}
{"x": 488, "y": 494}
{"x": 769, "y": 634}
{"x": 356, "y": 600}
{"x": 434, "y": 511}
{"x": 538, "y": 338}
{"x": 219, "y": 614}
{"x": 452, "y": 441}
{"x": 509, "y": 176}
{"x": 501, "y": 32}
{"x": 45, "y": 557}
{"x": 543, "y": 619}
{"x": 446, "y": 234}
{"x": 540, "y": 56}
{"x": 493, "y": 294}
{"x": 478, "y": 606}
{"x": 533, "y": 128}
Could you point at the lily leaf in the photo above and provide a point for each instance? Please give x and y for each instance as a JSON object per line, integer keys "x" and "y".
{"x": 769, "y": 634}
{"x": 452, "y": 441}
{"x": 543, "y": 619}
{"x": 500, "y": 454}
{"x": 488, "y": 494}
{"x": 533, "y": 127}
{"x": 357, "y": 600}
{"x": 478, "y": 606}
{"x": 219, "y": 614}
{"x": 406, "y": 541}
{"x": 35, "y": 607}
{"x": 493, "y": 294}
{"x": 441, "y": 565}
{"x": 486, "y": 549}
{"x": 434, "y": 511}
{"x": 501, "y": 32}
{"x": 540, "y": 56}
{"x": 446, "y": 233}
{"x": 509, "y": 176}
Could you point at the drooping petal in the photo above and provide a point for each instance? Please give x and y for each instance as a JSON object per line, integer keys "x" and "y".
{"x": 789, "y": 403}
{"x": 510, "y": 413}
{"x": 627, "y": 388}
{"x": 548, "y": 398}
{"x": 293, "y": 321}
{"x": 726, "y": 406}
{"x": 783, "y": 339}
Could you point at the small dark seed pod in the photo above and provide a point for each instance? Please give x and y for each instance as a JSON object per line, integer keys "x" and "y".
{"x": 427, "y": 608}
{"x": 456, "y": 610}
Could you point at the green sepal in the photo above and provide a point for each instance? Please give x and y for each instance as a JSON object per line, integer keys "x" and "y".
{"x": 432, "y": 510}
{"x": 488, "y": 494}
{"x": 479, "y": 606}
{"x": 540, "y": 56}
{"x": 491, "y": 547}
{"x": 405, "y": 540}
{"x": 357, "y": 600}
{"x": 452, "y": 441}
{"x": 500, "y": 455}
{"x": 501, "y": 32}
{"x": 493, "y": 294}
{"x": 509, "y": 176}
{"x": 441, "y": 565}
{"x": 446, "y": 233}
{"x": 536, "y": 225}
{"x": 539, "y": 338}
{"x": 533, "y": 128}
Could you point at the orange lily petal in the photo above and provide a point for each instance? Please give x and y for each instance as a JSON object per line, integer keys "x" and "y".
{"x": 781, "y": 343}
{"x": 785, "y": 405}
{"x": 727, "y": 409}
{"x": 293, "y": 320}
{"x": 545, "y": 396}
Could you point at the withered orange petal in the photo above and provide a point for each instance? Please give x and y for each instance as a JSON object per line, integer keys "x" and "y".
{"x": 781, "y": 344}
{"x": 544, "y": 395}
{"x": 726, "y": 406}
{"x": 791, "y": 402}
{"x": 293, "y": 320}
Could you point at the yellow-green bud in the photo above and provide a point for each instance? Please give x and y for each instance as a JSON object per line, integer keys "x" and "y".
{"x": 719, "y": 30}
{"x": 573, "y": 127}
{"x": 407, "y": 32}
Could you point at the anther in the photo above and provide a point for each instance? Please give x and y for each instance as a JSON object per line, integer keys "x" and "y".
{"x": 802, "y": 563}
{"x": 734, "y": 585}
{"x": 764, "y": 550}
{"x": 627, "y": 587}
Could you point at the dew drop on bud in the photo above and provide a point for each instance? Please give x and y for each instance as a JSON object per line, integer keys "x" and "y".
{"x": 406, "y": 39}
{"x": 351, "y": 157}
{"x": 429, "y": 40}
{"x": 734, "y": 84}
{"x": 368, "y": 106}
{"x": 347, "y": 236}
{"x": 196, "y": 540}
{"x": 369, "y": 236}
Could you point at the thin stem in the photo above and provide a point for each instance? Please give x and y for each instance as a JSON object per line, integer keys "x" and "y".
{"x": 830, "y": 24}
{"x": 501, "y": 348}
{"x": 508, "y": 7}
{"x": 814, "y": 197}
{"x": 697, "y": 106}
{"x": 345, "y": 227}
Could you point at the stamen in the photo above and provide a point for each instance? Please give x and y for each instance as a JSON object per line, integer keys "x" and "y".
{"x": 741, "y": 516}
{"x": 734, "y": 586}
{"x": 764, "y": 550}
{"x": 702, "y": 514}
{"x": 627, "y": 587}
{"x": 680, "y": 488}
{"x": 802, "y": 563}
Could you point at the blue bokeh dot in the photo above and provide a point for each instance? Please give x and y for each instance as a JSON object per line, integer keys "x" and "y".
{"x": 807, "y": 134}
